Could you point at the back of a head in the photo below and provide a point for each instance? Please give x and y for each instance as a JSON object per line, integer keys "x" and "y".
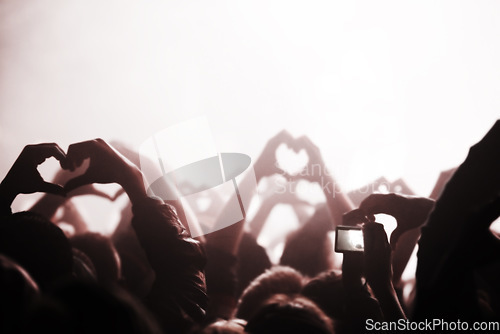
{"x": 85, "y": 307}
{"x": 17, "y": 291}
{"x": 232, "y": 326}
{"x": 103, "y": 255}
{"x": 38, "y": 245}
{"x": 277, "y": 280}
{"x": 349, "y": 309}
{"x": 136, "y": 271}
{"x": 327, "y": 291}
{"x": 282, "y": 314}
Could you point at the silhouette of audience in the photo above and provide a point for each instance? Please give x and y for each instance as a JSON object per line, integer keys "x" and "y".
{"x": 151, "y": 276}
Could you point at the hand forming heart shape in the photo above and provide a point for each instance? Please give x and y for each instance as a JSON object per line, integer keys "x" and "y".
{"x": 24, "y": 177}
{"x": 290, "y": 160}
{"x": 289, "y": 157}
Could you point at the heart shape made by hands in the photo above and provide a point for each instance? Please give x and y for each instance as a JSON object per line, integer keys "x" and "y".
{"x": 291, "y": 159}
{"x": 63, "y": 175}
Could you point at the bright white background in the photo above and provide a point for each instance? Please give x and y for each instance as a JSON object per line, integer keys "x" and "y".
{"x": 393, "y": 88}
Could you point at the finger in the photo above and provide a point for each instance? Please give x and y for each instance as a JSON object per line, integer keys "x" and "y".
{"x": 375, "y": 236}
{"x": 354, "y": 217}
{"x": 381, "y": 241}
{"x": 308, "y": 143}
{"x": 368, "y": 237}
{"x": 53, "y": 150}
{"x": 78, "y": 152}
{"x": 77, "y": 182}
{"x": 286, "y": 138}
{"x": 376, "y": 203}
{"x": 120, "y": 192}
{"x": 282, "y": 137}
{"x": 40, "y": 152}
{"x": 52, "y": 188}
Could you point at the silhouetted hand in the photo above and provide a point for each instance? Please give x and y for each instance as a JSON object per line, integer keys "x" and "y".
{"x": 24, "y": 178}
{"x": 62, "y": 177}
{"x": 355, "y": 217}
{"x": 315, "y": 168}
{"x": 266, "y": 164}
{"x": 352, "y": 270}
{"x": 378, "y": 270}
{"x": 106, "y": 165}
{"x": 377, "y": 255}
{"x": 410, "y": 212}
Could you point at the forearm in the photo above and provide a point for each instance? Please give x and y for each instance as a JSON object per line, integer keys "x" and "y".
{"x": 407, "y": 242}
{"x": 228, "y": 238}
{"x": 388, "y": 301}
{"x": 257, "y": 223}
{"x": 179, "y": 289}
{"x": 48, "y": 204}
{"x": 403, "y": 252}
{"x": 6, "y": 199}
{"x": 337, "y": 202}
{"x": 158, "y": 228}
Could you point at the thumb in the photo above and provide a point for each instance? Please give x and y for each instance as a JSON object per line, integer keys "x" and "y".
{"x": 52, "y": 188}
{"x": 118, "y": 194}
{"x": 395, "y": 235}
{"x": 76, "y": 182}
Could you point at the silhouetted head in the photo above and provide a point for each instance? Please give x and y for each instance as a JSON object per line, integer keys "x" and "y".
{"x": 278, "y": 280}
{"x": 349, "y": 309}
{"x": 17, "y": 291}
{"x": 233, "y": 326}
{"x": 284, "y": 314}
{"x": 83, "y": 307}
{"x": 38, "y": 245}
{"x": 327, "y": 291}
{"x": 103, "y": 255}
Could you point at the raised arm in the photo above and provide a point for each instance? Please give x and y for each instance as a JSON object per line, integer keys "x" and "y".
{"x": 445, "y": 277}
{"x": 24, "y": 178}
{"x": 378, "y": 270}
{"x": 178, "y": 296}
{"x": 337, "y": 201}
{"x": 278, "y": 195}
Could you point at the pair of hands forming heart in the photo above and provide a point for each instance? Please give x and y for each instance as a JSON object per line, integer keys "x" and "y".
{"x": 409, "y": 212}
{"x": 268, "y": 163}
{"x": 106, "y": 166}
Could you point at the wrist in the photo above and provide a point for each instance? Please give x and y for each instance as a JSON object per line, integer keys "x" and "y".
{"x": 381, "y": 287}
{"x": 47, "y": 205}
{"x": 133, "y": 184}
{"x": 259, "y": 169}
{"x": 7, "y": 195}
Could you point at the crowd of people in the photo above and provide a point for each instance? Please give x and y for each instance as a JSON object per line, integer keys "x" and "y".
{"x": 151, "y": 276}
